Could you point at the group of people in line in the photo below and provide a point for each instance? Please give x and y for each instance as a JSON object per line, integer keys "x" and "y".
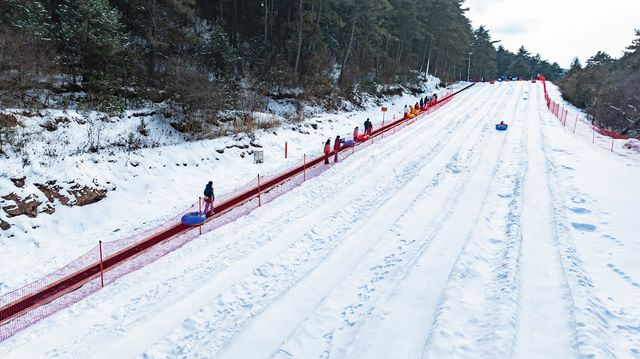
{"x": 422, "y": 105}
{"x": 368, "y": 130}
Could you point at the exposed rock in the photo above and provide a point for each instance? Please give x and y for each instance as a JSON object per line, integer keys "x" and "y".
{"x": 27, "y": 206}
{"x": 242, "y": 147}
{"x": 4, "y": 225}
{"x": 52, "y": 191}
{"x": 87, "y": 195}
{"x": 254, "y": 144}
{"x": 220, "y": 150}
{"x": 49, "y": 209}
{"x": 19, "y": 182}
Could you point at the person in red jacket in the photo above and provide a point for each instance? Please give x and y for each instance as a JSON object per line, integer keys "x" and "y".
{"x": 336, "y": 148}
{"x": 327, "y": 150}
{"x": 355, "y": 134}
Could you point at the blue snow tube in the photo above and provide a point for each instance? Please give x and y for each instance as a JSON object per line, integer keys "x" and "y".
{"x": 349, "y": 143}
{"x": 500, "y": 127}
{"x": 193, "y": 218}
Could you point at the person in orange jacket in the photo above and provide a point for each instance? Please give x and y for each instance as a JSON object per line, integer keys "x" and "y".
{"x": 327, "y": 150}
{"x": 336, "y": 148}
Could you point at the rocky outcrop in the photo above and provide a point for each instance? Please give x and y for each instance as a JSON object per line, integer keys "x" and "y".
{"x": 27, "y": 206}
{"x": 69, "y": 194}
{"x": 52, "y": 191}
{"x": 18, "y": 181}
{"x": 85, "y": 195}
{"x": 4, "y": 225}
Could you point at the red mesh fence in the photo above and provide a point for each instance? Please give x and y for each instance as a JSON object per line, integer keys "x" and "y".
{"x": 82, "y": 277}
{"x": 577, "y": 123}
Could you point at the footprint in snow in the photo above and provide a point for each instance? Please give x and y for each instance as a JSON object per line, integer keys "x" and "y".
{"x": 578, "y": 210}
{"x": 584, "y": 227}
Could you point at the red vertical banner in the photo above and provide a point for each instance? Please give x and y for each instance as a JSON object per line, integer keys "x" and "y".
{"x": 575, "y": 124}
{"x": 304, "y": 168}
{"x": 259, "y": 194}
{"x": 285, "y": 149}
{"x": 101, "y": 267}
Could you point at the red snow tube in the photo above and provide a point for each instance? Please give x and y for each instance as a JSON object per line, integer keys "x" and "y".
{"x": 362, "y": 138}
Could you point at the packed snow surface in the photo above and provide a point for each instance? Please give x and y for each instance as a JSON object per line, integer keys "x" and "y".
{"x": 445, "y": 239}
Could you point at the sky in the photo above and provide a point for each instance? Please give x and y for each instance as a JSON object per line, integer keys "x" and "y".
{"x": 559, "y": 30}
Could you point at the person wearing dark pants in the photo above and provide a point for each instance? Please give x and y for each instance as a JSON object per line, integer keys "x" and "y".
{"x": 327, "y": 150}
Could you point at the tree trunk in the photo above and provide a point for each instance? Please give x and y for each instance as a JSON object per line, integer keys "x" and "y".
{"x": 346, "y": 55}
{"x": 398, "y": 54}
{"x": 295, "y": 71}
{"x": 266, "y": 19}
{"x": 429, "y": 59}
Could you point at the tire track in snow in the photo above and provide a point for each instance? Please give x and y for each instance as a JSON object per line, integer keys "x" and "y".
{"x": 546, "y": 325}
{"x": 340, "y": 316}
{"x": 477, "y": 315}
{"x": 412, "y": 302}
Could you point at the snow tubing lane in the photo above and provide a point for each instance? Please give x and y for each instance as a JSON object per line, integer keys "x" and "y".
{"x": 76, "y": 280}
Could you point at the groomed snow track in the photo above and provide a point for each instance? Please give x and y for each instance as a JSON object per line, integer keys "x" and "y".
{"x": 14, "y": 315}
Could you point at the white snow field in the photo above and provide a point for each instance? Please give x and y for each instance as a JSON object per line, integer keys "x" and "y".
{"x": 446, "y": 239}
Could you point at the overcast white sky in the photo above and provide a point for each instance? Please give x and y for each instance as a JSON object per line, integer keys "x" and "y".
{"x": 559, "y": 30}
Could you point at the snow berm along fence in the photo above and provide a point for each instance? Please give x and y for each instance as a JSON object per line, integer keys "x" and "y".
{"x": 108, "y": 261}
{"x": 575, "y": 122}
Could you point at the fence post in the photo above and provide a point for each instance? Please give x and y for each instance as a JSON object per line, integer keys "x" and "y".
{"x": 101, "y": 267}
{"x": 593, "y": 134}
{"x": 259, "y": 194}
{"x": 200, "y": 213}
{"x": 285, "y": 149}
{"x": 304, "y": 169}
{"x": 611, "y": 144}
{"x": 575, "y": 124}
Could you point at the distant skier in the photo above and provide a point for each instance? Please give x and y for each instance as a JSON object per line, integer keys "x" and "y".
{"x": 209, "y": 197}
{"x": 406, "y": 111}
{"x": 355, "y": 134}
{"x": 327, "y": 150}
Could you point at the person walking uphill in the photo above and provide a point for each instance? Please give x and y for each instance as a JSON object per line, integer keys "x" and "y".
{"x": 209, "y": 196}
{"x": 327, "y": 150}
{"x": 336, "y": 148}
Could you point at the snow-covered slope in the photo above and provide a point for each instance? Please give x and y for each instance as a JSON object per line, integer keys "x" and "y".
{"x": 150, "y": 185}
{"x": 446, "y": 239}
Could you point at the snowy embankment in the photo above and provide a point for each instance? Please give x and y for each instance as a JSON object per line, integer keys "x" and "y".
{"x": 146, "y": 186}
{"x": 576, "y": 121}
{"x": 446, "y": 239}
